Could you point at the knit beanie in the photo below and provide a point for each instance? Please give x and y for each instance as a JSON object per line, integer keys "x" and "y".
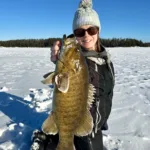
{"x": 85, "y": 15}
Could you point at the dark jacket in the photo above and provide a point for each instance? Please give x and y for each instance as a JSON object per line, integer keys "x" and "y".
{"x": 101, "y": 72}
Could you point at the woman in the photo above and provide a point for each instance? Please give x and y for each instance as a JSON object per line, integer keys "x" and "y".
{"x": 86, "y": 29}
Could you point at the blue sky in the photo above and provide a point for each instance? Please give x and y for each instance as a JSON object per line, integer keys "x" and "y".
{"x": 23, "y": 19}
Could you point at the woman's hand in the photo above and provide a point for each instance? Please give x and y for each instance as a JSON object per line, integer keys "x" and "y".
{"x": 55, "y": 51}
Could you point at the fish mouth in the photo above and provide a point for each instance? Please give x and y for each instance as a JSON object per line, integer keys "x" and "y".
{"x": 61, "y": 61}
{"x": 65, "y": 65}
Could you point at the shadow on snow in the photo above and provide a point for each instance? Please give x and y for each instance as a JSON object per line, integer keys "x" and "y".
{"x": 18, "y": 110}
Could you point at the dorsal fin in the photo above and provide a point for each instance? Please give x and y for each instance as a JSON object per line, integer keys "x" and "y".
{"x": 91, "y": 93}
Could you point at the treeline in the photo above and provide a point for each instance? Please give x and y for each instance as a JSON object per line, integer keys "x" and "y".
{"x": 115, "y": 42}
{"x": 29, "y": 42}
{"x": 123, "y": 42}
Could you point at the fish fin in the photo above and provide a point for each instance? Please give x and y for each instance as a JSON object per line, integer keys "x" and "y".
{"x": 49, "y": 78}
{"x": 62, "y": 82}
{"x": 47, "y": 74}
{"x": 86, "y": 125}
{"x": 91, "y": 93}
{"x": 49, "y": 125}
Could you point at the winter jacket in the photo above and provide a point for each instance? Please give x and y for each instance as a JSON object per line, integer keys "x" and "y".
{"x": 101, "y": 73}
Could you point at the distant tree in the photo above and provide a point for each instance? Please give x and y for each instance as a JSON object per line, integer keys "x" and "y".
{"x": 114, "y": 42}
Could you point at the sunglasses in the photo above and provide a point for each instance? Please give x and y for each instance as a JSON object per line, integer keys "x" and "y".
{"x": 81, "y": 32}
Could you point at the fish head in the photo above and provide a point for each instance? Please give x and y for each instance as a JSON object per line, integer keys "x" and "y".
{"x": 70, "y": 59}
{"x": 71, "y": 63}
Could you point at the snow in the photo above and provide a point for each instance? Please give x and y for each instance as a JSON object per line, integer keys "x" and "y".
{"x": 25, "y": 102}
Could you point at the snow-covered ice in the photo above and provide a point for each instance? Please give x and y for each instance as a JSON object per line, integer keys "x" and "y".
{"x": 25, "y": 102}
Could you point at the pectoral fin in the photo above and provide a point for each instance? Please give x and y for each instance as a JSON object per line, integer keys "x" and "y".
{"x": 62, "y": 82}
{"x": 47, "y": 74}
{"x": 49, "y": 78}
{"x": 49, "y": 125}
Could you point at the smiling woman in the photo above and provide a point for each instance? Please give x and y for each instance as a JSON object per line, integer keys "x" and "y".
{"x": 87, "y": 36}
{"x": 86, "y": 28}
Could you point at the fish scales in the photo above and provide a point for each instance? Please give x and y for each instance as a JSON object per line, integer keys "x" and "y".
{"x": 70, "y": 109}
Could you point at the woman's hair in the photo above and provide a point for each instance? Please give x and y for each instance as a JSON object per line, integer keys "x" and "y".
{"x": 98, "y": 47}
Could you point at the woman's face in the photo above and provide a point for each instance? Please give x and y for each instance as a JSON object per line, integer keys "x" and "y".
{"x": 88, "y": 41}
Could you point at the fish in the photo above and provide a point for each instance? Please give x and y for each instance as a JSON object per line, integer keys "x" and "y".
{"x": 72, "y": 96}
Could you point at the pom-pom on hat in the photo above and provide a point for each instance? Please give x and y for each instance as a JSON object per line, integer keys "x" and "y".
{"x": 85, "y": 15}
